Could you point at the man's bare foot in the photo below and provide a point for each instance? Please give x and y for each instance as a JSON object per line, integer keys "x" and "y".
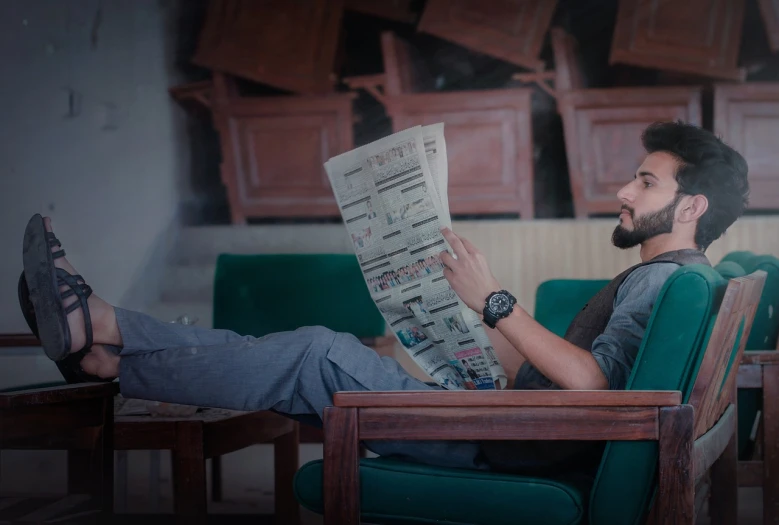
{"x": 101, "y": 363}
{"x": 104, "y": 327}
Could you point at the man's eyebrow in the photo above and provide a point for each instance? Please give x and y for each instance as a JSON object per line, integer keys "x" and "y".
{"x": 647, "y": 174}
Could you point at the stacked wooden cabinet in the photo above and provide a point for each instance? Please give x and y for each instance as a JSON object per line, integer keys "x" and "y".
{"x": 273, "y": 148}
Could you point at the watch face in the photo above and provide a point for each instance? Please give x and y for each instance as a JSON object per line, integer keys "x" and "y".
{"x": 500, "y": 303}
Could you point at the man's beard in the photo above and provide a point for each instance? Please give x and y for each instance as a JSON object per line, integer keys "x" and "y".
{"x": 645, "y": 227}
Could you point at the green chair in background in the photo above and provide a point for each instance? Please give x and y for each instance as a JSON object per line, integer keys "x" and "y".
{"x": 623, "y": 490}
{"x": 559, "y": 300}
{"x": 259, "y": 294}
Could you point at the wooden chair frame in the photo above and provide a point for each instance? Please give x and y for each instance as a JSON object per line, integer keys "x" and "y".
{"x": 694, "y": 438}
{"x": 760, "y": 369}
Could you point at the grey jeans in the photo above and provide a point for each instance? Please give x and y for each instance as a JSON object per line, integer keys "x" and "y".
{"x": 293, "y": 373}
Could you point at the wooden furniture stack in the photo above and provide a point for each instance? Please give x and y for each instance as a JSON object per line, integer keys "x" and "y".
{"x": 273, "y": 147}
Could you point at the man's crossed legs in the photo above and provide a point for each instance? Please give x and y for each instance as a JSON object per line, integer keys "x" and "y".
{"x": 293, "y": 373}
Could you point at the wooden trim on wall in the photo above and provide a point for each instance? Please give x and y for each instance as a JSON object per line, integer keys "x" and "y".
{"x": 17, "y": 340}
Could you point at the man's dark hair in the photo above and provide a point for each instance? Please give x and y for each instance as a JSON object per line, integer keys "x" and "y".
{"x": 708, "y": 167}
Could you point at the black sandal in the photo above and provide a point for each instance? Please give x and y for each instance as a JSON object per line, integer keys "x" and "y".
{"x": 70, "y": 367}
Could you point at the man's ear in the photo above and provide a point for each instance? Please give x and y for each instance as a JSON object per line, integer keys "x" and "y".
{"x": 692, "y": 207}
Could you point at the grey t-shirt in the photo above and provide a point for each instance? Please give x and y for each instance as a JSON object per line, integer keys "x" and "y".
{"x": 616, "y": 348}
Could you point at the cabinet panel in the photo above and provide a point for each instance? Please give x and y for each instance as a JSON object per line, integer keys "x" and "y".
{"x": 769, "y": 10}
{"x": 488, "y": 145}
{"x": 747, "y": 118}
{"x": 603, "y": 137}
{"x": 273, "y": 153}
{"x": 512, "y": 30}
{"x": 700, "y": 37}
{"x": 288, "y": 45}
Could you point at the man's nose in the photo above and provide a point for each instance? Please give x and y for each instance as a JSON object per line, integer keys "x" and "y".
{"x": 625, "y": 194}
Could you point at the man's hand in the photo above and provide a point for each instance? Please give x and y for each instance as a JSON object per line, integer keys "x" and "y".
{"x": 469, "y": 275}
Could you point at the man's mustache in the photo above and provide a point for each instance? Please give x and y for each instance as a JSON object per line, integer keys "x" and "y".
{"x": 628, "y": 209}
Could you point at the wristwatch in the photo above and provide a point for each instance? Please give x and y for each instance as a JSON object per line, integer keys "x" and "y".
{"x": 497, "y": 306}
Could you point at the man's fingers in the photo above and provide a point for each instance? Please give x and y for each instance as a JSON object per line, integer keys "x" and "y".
{"x": 469, "y": 246}
{"x": 454, "y": 242}
{"x": 447, "y": 259}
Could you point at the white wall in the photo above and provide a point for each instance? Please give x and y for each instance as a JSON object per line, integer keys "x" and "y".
{"x": 112, "y": 176}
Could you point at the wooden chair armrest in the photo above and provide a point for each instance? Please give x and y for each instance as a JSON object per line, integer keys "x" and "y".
{"x": 760, "y": 357}
{"x": 508, "y": 398}
{"x": 57, "y": 394}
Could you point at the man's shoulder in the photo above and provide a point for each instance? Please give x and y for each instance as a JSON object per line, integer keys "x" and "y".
{"x": 648, "y": 278}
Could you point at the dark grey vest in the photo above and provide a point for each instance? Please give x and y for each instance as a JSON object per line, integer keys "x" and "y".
{"x": 552, "y": 457}
{"x": 591, "y": 321}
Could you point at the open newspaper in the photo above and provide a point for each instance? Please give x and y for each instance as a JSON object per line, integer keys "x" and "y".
{"x": 392, "y": 194}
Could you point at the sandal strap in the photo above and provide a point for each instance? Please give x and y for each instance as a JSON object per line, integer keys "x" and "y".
{"x": 82, "y": 291}
{"x": 53, "y": 241}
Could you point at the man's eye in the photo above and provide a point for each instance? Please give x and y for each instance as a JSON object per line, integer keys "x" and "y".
{"x": 647, "y": 184}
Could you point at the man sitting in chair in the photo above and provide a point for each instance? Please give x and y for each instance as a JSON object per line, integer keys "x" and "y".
{"x": 689, "y": 189}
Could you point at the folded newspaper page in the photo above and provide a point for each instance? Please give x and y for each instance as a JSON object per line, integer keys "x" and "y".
{"x": 392, "y": 194}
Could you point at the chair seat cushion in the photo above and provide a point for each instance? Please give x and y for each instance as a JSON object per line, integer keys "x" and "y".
{"x": 395, "y": 492}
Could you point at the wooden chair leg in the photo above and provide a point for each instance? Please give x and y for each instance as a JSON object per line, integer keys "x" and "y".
{"x": 341, "y": 469}
{"x": 676, "y": 491}
{"x": 771, "y": 444}
{"x": 189, "y": 474}
{"x": 286, "y": 450}
{"x": 723, "y": 503}
{"x": 216, "y": 478}
{"x": 104, "y": 467}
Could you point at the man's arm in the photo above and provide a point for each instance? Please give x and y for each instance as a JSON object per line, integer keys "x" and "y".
{"x": 565, "y": 364}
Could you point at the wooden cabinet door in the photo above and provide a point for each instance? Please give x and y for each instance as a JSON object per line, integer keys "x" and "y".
{"x": 701, "y": 37}
{"x": 747, "y": 118}
{"x": 286, "y": 44}
{"x": 274, "y": 151}
{"x": 603, "y": 138}
{"x": 488, "y": 145}
{"x": 512, "y": 30}
{"x": 769, "y": 10}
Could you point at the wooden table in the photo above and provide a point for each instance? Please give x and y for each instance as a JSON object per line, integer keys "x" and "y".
{"x": 63, "y": 417}
{"x": 211, "y": 433}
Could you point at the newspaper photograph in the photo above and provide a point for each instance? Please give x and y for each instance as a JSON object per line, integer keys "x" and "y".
{"x": 392, "y": 195}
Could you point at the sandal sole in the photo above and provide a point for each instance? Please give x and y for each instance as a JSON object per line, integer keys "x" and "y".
{"x": 41, "y": 276}
{"x": 70, "y": 367}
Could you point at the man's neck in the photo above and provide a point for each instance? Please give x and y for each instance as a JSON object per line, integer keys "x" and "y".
{"x": 664, "y": 244}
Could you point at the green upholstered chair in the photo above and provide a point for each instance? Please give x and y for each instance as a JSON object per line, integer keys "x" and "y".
{"x": 668, "y": 364}
{"x": 759, "y": 387}
{"x": 261, "y": 294}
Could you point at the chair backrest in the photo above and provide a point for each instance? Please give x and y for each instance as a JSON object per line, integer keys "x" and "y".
{"x": 568, "y": 73}
{"x": 765, "y": 329}
{"x": 671, "y": 355}
{"x": 730, "y": 269}
{"x": 715, "y": 380}
{"x": 261, "y": 294}
{"x": 559, "y": 300}
{"x": 404, "y": 69}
